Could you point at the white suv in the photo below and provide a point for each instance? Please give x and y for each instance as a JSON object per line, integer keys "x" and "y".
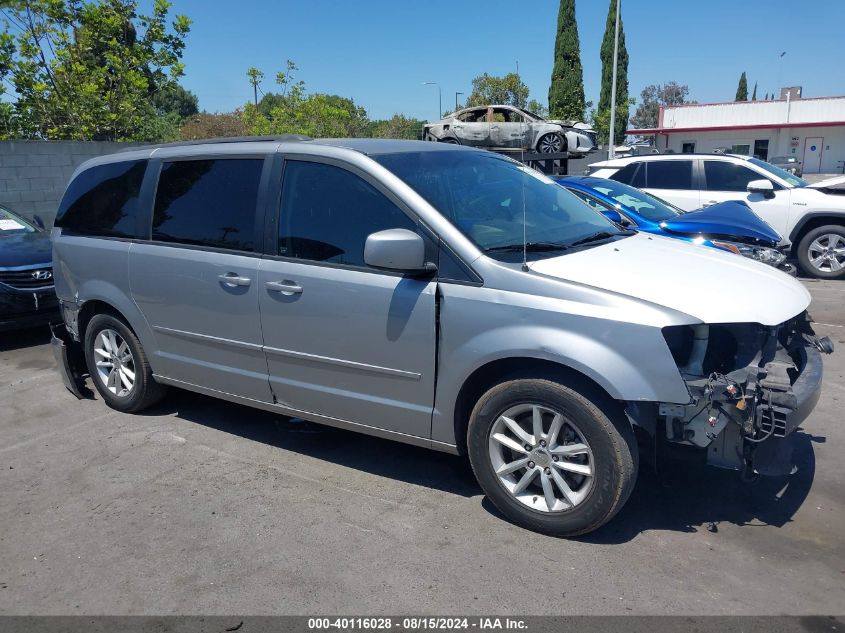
{"x": 811, "y": 217}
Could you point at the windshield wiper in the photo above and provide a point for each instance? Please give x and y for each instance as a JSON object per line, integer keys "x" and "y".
{"x": 596, "y": 237}
{"x": 530, "y": 247}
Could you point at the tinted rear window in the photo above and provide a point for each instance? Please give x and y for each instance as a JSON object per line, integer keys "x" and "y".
{"x": 669, "y": 174}
{"x": 208, "y": 203}
{"x": 632, "y": 174}
{"x": 103, "y": 201}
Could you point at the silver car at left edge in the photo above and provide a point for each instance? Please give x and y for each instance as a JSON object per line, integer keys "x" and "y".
{"x": 433, "y": 294}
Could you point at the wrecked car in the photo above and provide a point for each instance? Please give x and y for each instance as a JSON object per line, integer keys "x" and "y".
{"x": 730, "y": 226}
{"x": 511, "y": 129}
{"x": 437, "y": 295}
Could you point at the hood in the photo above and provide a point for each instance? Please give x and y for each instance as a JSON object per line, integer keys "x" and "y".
{"x": 730, "y": 219}
{"x": 25, "y": 249}
{"x": 705, "y": 283}
{"x": 837, "y": 182}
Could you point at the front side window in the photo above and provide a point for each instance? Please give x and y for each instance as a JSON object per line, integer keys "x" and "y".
{"x": 327, "y": 213}
{"x": 102, "y": 201}
{"x": 631, "y": 174}
{"x": 725, "y": 176}
{"x": 669, "y": 174}
{"x": 648, "y": 206}
{"x": 793, "y": 180}
{"x": 498, "y": 203}
{"x": 208, "y": 203}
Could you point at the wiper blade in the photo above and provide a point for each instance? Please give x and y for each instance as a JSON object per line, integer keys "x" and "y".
{"x": 596, "y": 237}
{"x": 530, "y": 247}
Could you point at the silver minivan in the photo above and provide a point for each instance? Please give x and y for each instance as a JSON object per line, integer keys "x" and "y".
{"x": 434, "y": 294}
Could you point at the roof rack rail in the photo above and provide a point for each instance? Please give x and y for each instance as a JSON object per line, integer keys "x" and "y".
{"x": 280, "y": 138}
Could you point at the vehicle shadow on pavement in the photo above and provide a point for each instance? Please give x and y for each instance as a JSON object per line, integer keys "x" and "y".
{"x": 384, "y": 458}
{"x": 694, "y": 497}
{"x": 682, "y": 497}
{"x": 18, "y": 339}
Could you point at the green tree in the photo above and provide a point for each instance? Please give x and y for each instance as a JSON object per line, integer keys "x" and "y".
{"x": 601, "y": 121}
{"x": 87, "y": 70}
{"x": 566, "y": 93}
{"x": 742, "y": 88}
{"x": 754, "y": 94}
{"x": 492, "y": 90}
{"x": 654, "y": 96}
{"x": 174, "y": 99}
{"x": 255, "y": 76}
{"x": 398, "y": 126}
{"x": 207, "y": 125}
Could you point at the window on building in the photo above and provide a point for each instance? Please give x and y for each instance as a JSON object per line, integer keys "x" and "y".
{"x": 669, "y": 174}
{"x": 742, "y": 149}
{"x": 725, "y": 176}
{"x": 103, "y": 201}
{"x": 688, "y": 147}
{"x": 761, "y": 149}
{"x": 208, "y": 203}
{"x": 328, "y": 212}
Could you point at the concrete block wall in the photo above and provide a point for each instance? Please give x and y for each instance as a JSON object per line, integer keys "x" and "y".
{"x": 34, "y": 174}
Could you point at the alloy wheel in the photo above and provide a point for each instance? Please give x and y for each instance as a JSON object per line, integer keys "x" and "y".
{"x": 550, "y": 144}
{"x": 541, "y": 458}
{"x": 115, "y": 363}
{"x": 826, "y": 253}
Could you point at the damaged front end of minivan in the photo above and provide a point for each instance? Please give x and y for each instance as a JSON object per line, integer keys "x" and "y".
{"x": 750, "y": 387}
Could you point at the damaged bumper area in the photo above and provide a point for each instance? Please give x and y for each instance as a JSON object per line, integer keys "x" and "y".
{"x": 69, "y": 361}
{"x": 751, "y": 387}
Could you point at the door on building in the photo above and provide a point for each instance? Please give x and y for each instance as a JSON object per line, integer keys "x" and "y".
{"x": 813, "y": 154}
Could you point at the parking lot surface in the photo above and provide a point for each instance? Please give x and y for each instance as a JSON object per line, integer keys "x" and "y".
{"x": 201, "y": 507}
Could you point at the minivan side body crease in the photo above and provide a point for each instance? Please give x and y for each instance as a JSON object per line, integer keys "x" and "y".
{"x": 434, "y": 294}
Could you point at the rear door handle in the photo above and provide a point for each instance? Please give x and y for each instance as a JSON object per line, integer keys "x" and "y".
{"x": 288, "y": 288}
{"x": 234, "y": 279}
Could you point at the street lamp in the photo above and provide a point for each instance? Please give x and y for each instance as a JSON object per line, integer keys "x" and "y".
{"x": 439, "y": 97}
{"x": 456, "y": 99}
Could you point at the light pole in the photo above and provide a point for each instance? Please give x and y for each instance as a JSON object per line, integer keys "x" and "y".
{"x": 780, "y": 72}
{"x": 439, "y": 98}
{"x": 610, "y": 149}
{"x": 456, "y": 99}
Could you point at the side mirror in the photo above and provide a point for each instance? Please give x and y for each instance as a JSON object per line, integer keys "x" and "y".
{"x": 616, "y": 217}
{"x": 39, "y": 222}
{"x": 397, "y": 249}
{"x": 762, "y": 186}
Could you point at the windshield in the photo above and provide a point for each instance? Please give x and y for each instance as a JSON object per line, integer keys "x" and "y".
{"x": 795, "y": 181}
{"x": 11, "y": 224}
{"x": 648, "y": 206}
{"x": 485, "y": 195}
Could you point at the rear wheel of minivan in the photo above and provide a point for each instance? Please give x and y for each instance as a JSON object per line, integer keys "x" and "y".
{"x": 118, "y": 366}
{"x": 552, "y": 459}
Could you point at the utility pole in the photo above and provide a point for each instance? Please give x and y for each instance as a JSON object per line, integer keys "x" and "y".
{"x": 439, "y": 98}
{"x": 611, "y": 145}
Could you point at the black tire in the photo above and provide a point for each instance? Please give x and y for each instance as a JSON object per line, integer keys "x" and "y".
{"x": 602, "y": 424}
{"x": 547, "y": 139}
{"x": 450, "y": 141}
{"x": 805, "y": 245}
{"x": 145, "y": 391}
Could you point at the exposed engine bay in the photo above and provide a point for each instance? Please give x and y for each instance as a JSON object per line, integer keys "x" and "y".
{"x": 750, "y": 385}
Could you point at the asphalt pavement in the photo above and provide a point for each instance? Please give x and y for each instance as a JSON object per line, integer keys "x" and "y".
{"x": 203, "y": 507}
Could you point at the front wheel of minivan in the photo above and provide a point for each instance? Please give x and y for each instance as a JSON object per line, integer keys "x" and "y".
{"x": 118, "y": 366}
{"x": 550, "y": 458}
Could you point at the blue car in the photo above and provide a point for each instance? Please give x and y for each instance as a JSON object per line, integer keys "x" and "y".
{"x": 730, "y": 226}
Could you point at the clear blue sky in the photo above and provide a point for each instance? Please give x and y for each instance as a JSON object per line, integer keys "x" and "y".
{"x": 379, "y": 51}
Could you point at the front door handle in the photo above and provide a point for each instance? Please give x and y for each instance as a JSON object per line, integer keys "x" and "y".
{"x": 286, "y": 287}
{"x": 710, "y": 203}
{"x": 234, "y": 279}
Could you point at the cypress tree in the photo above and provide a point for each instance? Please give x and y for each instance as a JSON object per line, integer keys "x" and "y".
{"x": 566, "y": 93}
{"x": 742, "y": 88}
{"x": 607, "y": 76}
{"x": 754, "y": 94}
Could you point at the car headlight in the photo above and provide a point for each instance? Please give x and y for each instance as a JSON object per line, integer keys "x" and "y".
{"x": 765, "y": 254}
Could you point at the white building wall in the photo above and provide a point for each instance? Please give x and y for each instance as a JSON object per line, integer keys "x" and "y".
{"x": 755, "y": 113}
{"x": 782, "y": 142}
